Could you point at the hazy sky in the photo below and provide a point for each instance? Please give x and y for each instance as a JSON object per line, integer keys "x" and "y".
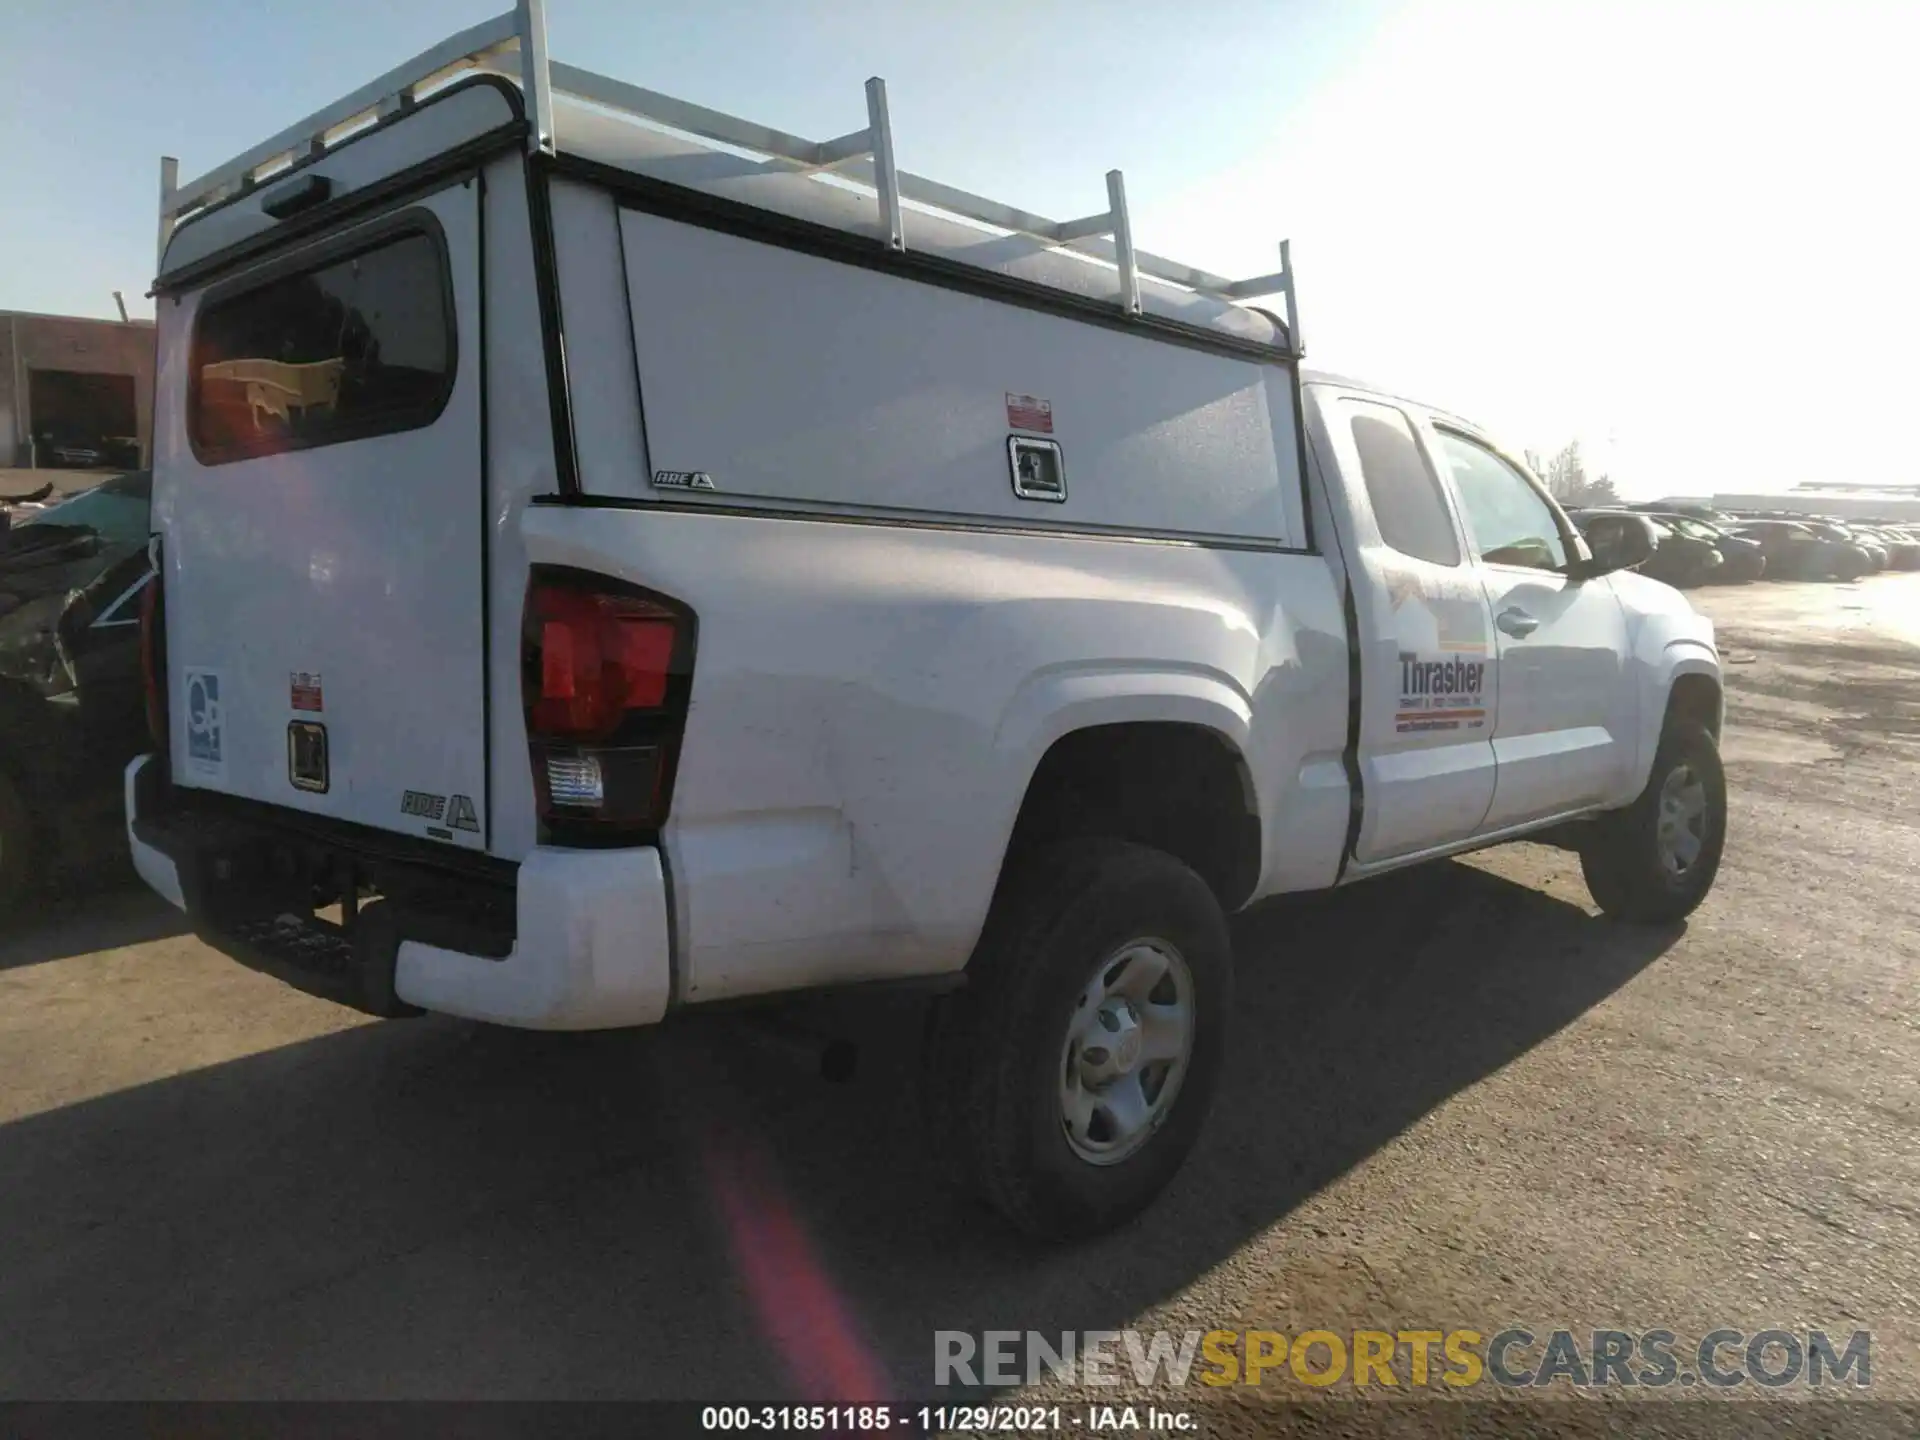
{"x": 1684, "y": 232}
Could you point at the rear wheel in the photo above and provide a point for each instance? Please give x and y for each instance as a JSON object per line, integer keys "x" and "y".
{"x": 1655, "y": 861}
{"x": 1072, "y": 1075}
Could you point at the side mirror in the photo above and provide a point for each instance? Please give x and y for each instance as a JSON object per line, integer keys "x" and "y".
{"x": 1624, "y": 548}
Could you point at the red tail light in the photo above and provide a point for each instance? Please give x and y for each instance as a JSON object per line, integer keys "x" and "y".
{"x": 153, "y": 663}
{"x": 606, "y": 672}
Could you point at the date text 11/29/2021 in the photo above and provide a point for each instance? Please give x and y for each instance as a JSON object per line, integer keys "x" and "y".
{"x": 939, "y": 1419}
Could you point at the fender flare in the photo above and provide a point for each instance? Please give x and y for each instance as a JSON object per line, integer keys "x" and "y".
{"x": 1692, "y": 657}
{"x": 1056, "y": 702}
{"x": 1680, "y": 656}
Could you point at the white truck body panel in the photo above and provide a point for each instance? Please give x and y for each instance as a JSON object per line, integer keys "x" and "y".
{"x": 891, "y": 641}
{"x": 520, "y": 465}
{"x": 339, "y": 585}
{"x": 1565, "y": 735}
{"x": 1551, "y": 727}
{"x": 853, "y": 409}
{"x": 1425, "y": 785}
{"x": 871, "y": 702}
{"x": 609, "y": 441}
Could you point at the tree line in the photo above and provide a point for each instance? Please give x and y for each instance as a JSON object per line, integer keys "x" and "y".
{"x": 1568, "y": 482}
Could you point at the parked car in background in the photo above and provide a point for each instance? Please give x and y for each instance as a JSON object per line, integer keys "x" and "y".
{"x": 1679, "y": 560}
{"x": 1697, "y": 510}
{"x": 72, "y": 705}
{"x": 1795, "y": 551}
{"x": 1745, "y": 559}
{"x": 1902, "y": 545}
{"x": 1842, "y": 534}
{"x": 74, "y": 455}
{"x": 1907, "y": 555}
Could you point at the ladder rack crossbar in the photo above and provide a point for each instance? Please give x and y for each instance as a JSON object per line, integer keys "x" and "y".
{"x": 514, "y": 44}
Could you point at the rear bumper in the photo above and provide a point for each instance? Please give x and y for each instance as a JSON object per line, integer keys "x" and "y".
{"x": 589, "y": 944}
{"x": 591, "y": 951}
{"x": 152, "y": 864}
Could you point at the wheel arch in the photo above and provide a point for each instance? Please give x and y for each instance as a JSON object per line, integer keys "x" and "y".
{"x": 1695, "y": 693}
{"x": 1683, "y": 672}
{"x": 1169, "y": 771}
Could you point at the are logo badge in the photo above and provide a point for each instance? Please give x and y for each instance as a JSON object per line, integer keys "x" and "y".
{"x": 206, "y": 723}
{"x": 683, "y": 480}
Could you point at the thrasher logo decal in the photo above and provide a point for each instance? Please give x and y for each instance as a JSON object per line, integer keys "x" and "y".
{"x": 1444, "y": 694}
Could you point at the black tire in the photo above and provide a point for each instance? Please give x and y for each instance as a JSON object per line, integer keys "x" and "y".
{"x": 19, "y": 849}
{"x": 1622, "y": 856}
{"x": 997, "y": 1048}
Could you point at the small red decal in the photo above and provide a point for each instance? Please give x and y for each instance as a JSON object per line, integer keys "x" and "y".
{"x": 304, "y": 690}
{"x": 1029, "y": 412}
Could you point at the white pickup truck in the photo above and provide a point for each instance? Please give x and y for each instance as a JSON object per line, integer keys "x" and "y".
{"x": 615, "y": 557}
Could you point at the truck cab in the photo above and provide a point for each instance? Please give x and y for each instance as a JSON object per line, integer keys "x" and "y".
{"x": 601, "y": 574}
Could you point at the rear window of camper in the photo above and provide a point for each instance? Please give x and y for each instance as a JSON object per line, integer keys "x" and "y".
{"x": 346, "y": 347}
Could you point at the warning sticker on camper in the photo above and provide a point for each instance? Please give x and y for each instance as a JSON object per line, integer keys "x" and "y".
{"x": 1030, "y": 412}
{"x": 206, "y": 725}
{"x": 303, "y": 691}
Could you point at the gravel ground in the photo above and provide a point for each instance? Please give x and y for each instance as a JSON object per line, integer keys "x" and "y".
{"x": 1458, "y": 1100}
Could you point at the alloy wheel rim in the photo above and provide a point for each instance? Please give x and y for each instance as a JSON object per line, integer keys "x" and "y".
{"x": 1681, "y": 831}
{"x": 1128, "y": 1044}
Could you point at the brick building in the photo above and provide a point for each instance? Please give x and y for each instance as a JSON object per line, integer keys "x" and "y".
{"x": 77, "y": 383}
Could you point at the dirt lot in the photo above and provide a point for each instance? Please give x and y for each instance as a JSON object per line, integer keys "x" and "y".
{"x": 1458, "y": 1099}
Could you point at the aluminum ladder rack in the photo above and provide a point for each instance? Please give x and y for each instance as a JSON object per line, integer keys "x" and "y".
{"x": 515, "y": 44}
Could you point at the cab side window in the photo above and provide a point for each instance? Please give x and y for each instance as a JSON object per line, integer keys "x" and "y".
{"x": 1405, "y": 497}
{"x": 1508, "y": 522}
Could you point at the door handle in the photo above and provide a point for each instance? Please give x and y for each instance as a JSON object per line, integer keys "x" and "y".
{"x": 1517, "y": 622}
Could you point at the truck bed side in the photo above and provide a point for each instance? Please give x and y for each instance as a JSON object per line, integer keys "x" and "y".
{"x": 871, "y": 702}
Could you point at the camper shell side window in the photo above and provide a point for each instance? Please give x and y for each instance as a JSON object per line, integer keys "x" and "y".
{"x": 355, "y": 341}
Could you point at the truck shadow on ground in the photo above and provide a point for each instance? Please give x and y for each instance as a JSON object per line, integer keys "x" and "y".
{"x": 78, "y": 920}
{"x": 441, "y": 1209}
